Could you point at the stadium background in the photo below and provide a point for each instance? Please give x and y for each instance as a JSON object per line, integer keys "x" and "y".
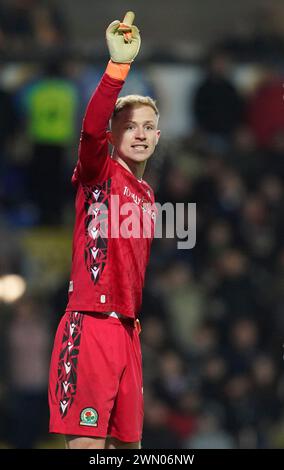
{"x": 213, "y": 323}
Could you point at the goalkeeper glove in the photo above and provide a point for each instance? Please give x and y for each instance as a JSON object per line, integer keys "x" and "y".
{"x": 123, "y": 40}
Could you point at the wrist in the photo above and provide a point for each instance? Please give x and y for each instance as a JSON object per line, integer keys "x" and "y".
{"x": 117, "y": 70}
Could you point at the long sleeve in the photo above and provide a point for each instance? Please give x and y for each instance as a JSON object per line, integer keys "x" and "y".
{"x": 93, "y": 148}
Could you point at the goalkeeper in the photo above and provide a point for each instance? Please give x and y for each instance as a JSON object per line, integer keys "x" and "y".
{"x": 95, "y": 386}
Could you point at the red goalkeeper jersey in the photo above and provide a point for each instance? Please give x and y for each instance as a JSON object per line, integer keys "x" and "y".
{"x": 109, "y": 258}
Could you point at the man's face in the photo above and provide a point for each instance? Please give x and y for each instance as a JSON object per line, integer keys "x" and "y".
{"x": 134, "y": 133}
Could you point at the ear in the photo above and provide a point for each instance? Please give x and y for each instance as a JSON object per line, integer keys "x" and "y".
{"x": 158, "y": 134}
{"x": 109, "y": 137}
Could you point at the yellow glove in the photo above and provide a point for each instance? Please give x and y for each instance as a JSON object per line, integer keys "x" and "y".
{"x": 123, "y": 40}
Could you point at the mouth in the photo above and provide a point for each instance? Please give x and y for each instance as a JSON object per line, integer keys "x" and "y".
{"x": 140, "y": 146}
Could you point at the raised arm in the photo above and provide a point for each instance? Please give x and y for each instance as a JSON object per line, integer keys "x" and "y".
{"x": 123, "y": 42}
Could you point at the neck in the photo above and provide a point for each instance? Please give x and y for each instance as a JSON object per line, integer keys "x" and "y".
{"x": 136, "y": 168}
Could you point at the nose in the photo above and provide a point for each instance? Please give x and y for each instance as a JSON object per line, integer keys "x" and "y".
{"x": 140, "y": 133}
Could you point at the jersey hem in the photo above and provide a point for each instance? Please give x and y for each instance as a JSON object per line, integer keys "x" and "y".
{"x": 99, "y": 309}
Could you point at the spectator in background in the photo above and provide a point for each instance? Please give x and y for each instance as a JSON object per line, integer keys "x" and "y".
{"x": 214, "y": 376}
{"x": 11, "y": 253}
{"x": 12, "y": 174}
{"x": 219, "y": 238}
{"x": 155, "y": 340}
{"x": 240, "y": 407}
{"x": 185, "y": 300}
{"x": 263, "y": 36}
{"x": 217, "y": 105}
{"x": 210, "y": 433}
{"x": 8, "y": 121}
{"x": 16, "y": 22}
{"x": 156, "y": 434}
{"x": 257, "y": 230}
{"x": 244, "y": 156}
{"x": 265, "y": 115}
{"x": 26, "y": 24}
{"x": 244, "y": 343}
{"x": 28, "y": 343}
{"x": 49, "y": 25}
{"x": 234, "y": 287}
{"x": 230, "y": 194}
{"x": 51, "y": 106}
{"x": 173, "y": 379}
{"x": 268, "y": 404}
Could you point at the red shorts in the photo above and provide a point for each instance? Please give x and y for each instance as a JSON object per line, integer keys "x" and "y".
{"x": 95, "y": 382}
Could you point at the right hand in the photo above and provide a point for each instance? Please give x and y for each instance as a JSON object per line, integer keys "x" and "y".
{"x": 123, "y": 50}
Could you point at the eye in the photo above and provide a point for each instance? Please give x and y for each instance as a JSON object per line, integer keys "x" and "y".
{"x": 129, "y": 127}
{"x": 149, "y": 128}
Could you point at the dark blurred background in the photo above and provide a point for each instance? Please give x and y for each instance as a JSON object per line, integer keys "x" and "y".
{"x": 213, "y": 316}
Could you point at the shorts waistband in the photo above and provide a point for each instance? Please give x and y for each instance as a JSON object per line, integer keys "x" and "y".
{"x": 132, "y": 321}
{"x": 115, "y": 315}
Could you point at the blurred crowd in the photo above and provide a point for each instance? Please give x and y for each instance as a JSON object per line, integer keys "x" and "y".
{"x": 212, "y": 325}
{"x": 26, "y": 24}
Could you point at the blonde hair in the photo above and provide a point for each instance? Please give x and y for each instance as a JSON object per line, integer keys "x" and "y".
{"x": 133, "y": 100}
